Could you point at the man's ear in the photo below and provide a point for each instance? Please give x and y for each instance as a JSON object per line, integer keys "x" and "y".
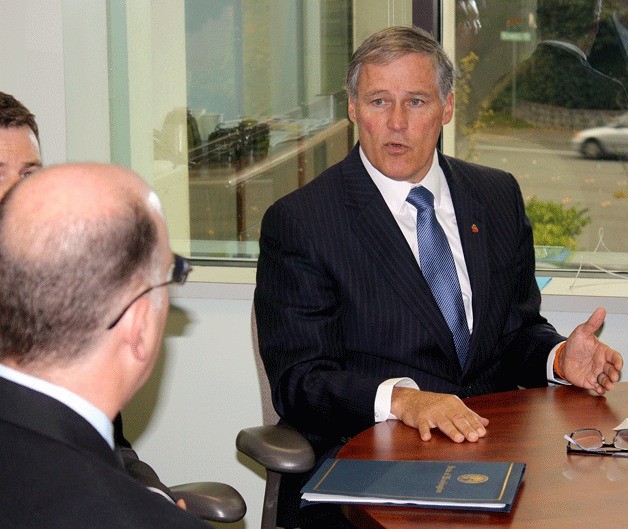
{"x": 136, "y": 327}
{"x": 351, "y": 110}
{"x": 448, "y": 111}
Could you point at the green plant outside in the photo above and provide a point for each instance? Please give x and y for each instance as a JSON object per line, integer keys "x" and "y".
{"x": 555, "y": 225}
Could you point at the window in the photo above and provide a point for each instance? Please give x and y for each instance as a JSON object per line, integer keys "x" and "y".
{"x": 229, "y": 105}
{"x": 541, "y": 93}
{"x": 226, "y": 105}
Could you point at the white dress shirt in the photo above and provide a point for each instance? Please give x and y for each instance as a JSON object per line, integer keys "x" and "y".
{"x": 395, "y": 193}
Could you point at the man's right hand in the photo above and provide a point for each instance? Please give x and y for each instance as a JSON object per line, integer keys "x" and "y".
{"x": 425, "y": 410}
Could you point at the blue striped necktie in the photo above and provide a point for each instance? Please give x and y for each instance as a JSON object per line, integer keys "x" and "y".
{"x": 439, "y": 270}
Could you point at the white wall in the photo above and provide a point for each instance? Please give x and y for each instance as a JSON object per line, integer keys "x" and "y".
{"x": 32, "y": 67}
{"x": 86, "y": 104}
{"x": 203, "y": 392}
{"x": 43, "y": 67}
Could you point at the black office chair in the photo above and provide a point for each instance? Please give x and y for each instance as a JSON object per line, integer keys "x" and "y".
{"x": 211, "y": 501}
{"x": 279, "y": 449}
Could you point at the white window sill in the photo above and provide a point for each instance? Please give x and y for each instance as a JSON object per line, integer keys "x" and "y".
{"x": 561, "y": 293}
{"x": 586, "y": 294}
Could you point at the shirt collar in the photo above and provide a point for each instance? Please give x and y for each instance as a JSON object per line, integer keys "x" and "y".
{"x": 395, "y": 192}
{"x": 96, "y": 417}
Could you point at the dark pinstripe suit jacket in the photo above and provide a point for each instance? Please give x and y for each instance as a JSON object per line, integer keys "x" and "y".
{"x": 342, "y": 305}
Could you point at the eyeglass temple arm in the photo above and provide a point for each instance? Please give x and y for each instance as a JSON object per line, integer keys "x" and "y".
{"x": 575, "y": 442}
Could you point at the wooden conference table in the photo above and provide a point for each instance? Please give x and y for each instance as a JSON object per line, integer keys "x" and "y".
{"x": 558, "y": 491}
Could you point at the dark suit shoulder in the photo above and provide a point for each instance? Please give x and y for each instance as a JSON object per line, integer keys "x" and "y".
{"x": 45, "y": 483}
{"x": 57, "y": 471}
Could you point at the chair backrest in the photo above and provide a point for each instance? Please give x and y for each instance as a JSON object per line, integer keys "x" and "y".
{"x": 278, "y": 448}
{"x": 269, "y": 414}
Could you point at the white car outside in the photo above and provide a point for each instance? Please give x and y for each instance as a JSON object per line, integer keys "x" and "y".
{"x": 600, "y": 142}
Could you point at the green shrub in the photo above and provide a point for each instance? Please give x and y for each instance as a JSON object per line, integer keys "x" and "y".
{"x": 555, "y": 225}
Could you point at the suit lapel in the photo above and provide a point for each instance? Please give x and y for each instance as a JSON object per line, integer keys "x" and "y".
{"x": 378, "y": 231}
{"x": 472, "y": 230}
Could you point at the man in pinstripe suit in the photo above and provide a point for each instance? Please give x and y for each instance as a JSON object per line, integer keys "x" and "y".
{"x": 349, "y": 330}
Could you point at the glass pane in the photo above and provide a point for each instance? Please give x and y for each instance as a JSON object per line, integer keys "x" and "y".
{"x": 541, "y": 93}
{"x": 246, "y": 103}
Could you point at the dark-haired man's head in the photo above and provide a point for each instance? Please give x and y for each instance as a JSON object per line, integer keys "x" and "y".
{"x": 573, "y": 21}
{"x": 19, "y": 142}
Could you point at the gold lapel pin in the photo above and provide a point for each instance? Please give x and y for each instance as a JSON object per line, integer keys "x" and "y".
{"x": 474, "y": 228}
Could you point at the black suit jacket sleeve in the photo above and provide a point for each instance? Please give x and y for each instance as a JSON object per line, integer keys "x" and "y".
{"x": 298, "y": 308}
{"x": 137, "y": 469}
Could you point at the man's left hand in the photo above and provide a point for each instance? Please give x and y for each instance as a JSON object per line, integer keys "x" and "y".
{"x": 586, "y": 361}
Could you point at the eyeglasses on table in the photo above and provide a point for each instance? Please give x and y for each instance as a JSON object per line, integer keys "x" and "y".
{"x": 590, "y": 441}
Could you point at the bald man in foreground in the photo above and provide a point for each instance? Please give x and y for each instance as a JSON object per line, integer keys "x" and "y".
{"x": 84, "y": 255}
{"x": 19, "y": 158}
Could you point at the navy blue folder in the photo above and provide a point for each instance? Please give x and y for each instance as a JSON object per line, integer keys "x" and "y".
{"x": 474, "y": 485}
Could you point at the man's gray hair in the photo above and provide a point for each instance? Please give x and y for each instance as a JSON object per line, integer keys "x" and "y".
{"x": 390, "y": 44}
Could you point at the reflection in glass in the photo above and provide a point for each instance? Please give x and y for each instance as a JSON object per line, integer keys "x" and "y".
{"x": 541, "y": 93}
{"x": 267, "y": 107}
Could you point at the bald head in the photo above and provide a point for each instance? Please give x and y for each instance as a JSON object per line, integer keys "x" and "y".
{"x": 73, "y": 240}
{"x": 61, "y": 205}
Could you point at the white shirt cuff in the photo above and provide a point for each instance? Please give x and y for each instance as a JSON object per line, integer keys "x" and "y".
{"x": 551, "y": 376}
{"x": 160, "y": 492}
{"x": 383, "y": 397}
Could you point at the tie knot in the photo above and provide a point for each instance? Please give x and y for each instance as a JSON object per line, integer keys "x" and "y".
{"x": 421, "y": 198}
